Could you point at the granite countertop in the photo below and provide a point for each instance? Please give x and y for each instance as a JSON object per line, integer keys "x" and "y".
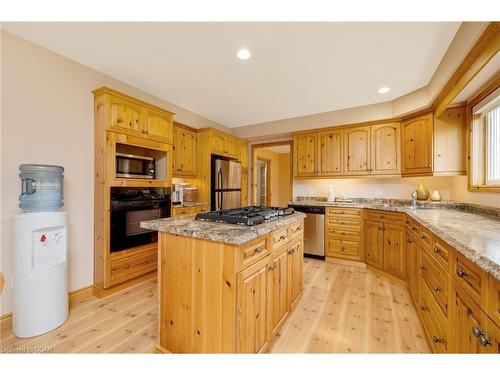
{"x": 472, "y": 230}
{"x": 190, "y": 204}
{"x": 218, "y": 232}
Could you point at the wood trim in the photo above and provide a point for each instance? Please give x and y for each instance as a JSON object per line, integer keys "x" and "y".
{"x": 481, "y": 53}
{"x": 99, "y": 292}
{"x": 268, "y": 187}
{"x": 252, "y": 167}
{"x": 487, "y": 89}
{"x": 351, "y": 125}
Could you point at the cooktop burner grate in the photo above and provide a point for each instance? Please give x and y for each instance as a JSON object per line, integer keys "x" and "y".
{"x": 251, "y": 215}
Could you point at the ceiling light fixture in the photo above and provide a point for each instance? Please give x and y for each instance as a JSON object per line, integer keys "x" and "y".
{"x": 383, "y": 90}
{"x": 243, "y": 54}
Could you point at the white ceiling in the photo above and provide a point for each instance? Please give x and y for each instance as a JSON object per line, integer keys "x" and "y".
{"x": 296, "y": 69}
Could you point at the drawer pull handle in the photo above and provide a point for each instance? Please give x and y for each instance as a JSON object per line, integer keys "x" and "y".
{"x": 423, "y": 237}
{"x": 297, "y": 229}
{"x": 483, "y": 340}
{"x": 436, "y": 250}
{"x": 259, "y": 249}
{"x": 436, "y": 339}
{"x": 282, "y": 237}
{"x": 461, "y": 273}
{"x": 292, "y": 250}
{"x": 436, "y": 288}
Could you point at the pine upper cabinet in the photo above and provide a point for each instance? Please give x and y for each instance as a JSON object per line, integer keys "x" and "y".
{"x": 394, "y": 254}
{"x": 253, "y": 305}
{"x": 295, "y": 276}
{"x": 217, "y": 143}
{"x": 184, "y": 151}
{"x": 330, "y": 151}
{"x": 126, "y": 116}
{"x": 374, "y": 240}
{"x": 278, "y": 287}
{"x": 244, "y": 155}
{"x": 471, "y": 331}
{"x": 416, "y": 145}
{"x": 158, "y": 126}
{"x": 450, "y": 142}
{"x": 306, "y": 154}
{"x": 357, "y": 150}
{"x": 385, "y": 148}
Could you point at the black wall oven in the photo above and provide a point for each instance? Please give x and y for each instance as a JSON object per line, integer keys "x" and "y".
{"x": 130, "y": 206}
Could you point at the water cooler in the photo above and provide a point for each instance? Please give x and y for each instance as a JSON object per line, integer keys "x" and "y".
{"x": 40, "y": 255}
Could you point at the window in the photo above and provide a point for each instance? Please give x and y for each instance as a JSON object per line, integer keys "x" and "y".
{"x": 484, "y": 152}
{"x": 492, "y": 119}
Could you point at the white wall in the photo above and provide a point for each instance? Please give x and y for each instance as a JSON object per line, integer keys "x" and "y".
{"x": 47, "y": 117}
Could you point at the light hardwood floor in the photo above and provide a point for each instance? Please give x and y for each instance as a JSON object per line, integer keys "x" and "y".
{"x": 344, "y": 309}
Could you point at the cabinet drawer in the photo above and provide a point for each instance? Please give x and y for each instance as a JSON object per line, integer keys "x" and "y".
{"x": 279, "y": 237}
{"x": 181, "y": 211}
{"x": 252, "y": 253}
{"x": 296, "y": 229}
{"x": 436, "y": 280}
{"x": 397, "y": 218}
{"x": 198, "y": 209}
{"x": 337, "y": 212}
{"x": 343, "y": 234}
{"x": 425, "y": 238}
{"x": 342, "y": 247}
{"x": 336, "y": 222}
{"x": 441, "y": 254}
{"x": 129, "y": 267}
{"x": 438, "y": 336}
{"x": 470, "y": 277}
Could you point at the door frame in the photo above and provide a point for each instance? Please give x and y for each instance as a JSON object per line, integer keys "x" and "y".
{"x": 268, "y": 180}
{"x": 253, "y": 147}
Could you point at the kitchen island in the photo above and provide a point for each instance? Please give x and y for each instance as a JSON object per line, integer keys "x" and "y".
{"x": 226, "y": 288}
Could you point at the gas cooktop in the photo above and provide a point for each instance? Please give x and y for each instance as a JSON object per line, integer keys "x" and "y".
{"x": 251, "y": 215}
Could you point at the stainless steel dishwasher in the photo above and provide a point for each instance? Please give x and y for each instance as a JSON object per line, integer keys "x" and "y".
{"x": 314, "y": 230}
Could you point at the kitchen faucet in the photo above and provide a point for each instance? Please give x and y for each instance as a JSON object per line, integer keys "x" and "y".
{"x": 414, "y": 199}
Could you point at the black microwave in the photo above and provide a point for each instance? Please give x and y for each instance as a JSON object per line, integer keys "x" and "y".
{"x": 135, "y": 166}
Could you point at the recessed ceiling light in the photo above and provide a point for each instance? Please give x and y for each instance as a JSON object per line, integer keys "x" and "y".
{"x": 383, "y": 90}
{"x": 243, "y": 54}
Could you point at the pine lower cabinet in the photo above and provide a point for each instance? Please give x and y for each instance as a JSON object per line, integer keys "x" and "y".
{"x": 343, "y": 233}
{"x": 233, "y": 298}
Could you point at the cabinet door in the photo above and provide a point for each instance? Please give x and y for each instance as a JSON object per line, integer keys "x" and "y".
{"x": 217, "y": 143}
{"x": 470, "y": 329}
{"x": 253, "y": 304}
{"x": 125, "y": 116}
{"x": 188, "y": 153}
{"x": 412, "y": 265}
{"x": 417, "y": 145}
{"x": 374, "y": 243}
{"x": 305, "y": 155}
{"x": 178, "y": 145}
{"x": 357, "y": 150}
{"x": 278, "y": 287}
{"x": 449, "y": 142}
{"x": 231, "y": 146}
{"x": 244, "y": 155}
{"x": 394, "y": 255}
{"x": 330, "y": 146}
{"x": 244, "y": 189}
{"x": 385, "y": 148}
{"x": 158, "y": 126}
{"x": 295, "y": 263}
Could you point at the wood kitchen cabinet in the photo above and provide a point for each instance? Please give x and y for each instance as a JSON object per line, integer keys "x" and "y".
{"x": 278, "y": 288}
{"x": 295, "y": 277}
{"x": 374, "y": 240}
{"x": 416, "y": 145}
{"x": 413, "y": 254}
{"x": 305, "y": 154}
{"x": 244, "y": 189}
{"x": 253, "y": 302}
{"x": 450, "y": 142}
{"x": 357, "y": 150}
{"x": 394, "y": 254}
{"x": 471, "y": 331}
{"x": 127, "y": 115}
{"x": 244, "y": 155}
{"x": 184, "y": 151}
{"x": 385, "y": 149}
{"x": 330, "y": 152}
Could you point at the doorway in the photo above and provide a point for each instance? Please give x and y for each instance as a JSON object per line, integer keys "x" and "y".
{"x": 271, "y": 174}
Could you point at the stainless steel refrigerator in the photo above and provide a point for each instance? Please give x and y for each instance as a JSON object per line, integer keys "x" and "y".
{"x": 225, "y": 184}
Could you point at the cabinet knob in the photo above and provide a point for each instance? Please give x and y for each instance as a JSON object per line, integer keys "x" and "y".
{"x": 422, "y": 268}
{"x": 436, "y": 288}
{"x": 408, "y": 240}
{"x": 436, "y": 250}
{"x": 259, "y": 249}
{"x": 436, "y": 339}
{"x": 423, "y": 307}
{"x": 461, "y": 273}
